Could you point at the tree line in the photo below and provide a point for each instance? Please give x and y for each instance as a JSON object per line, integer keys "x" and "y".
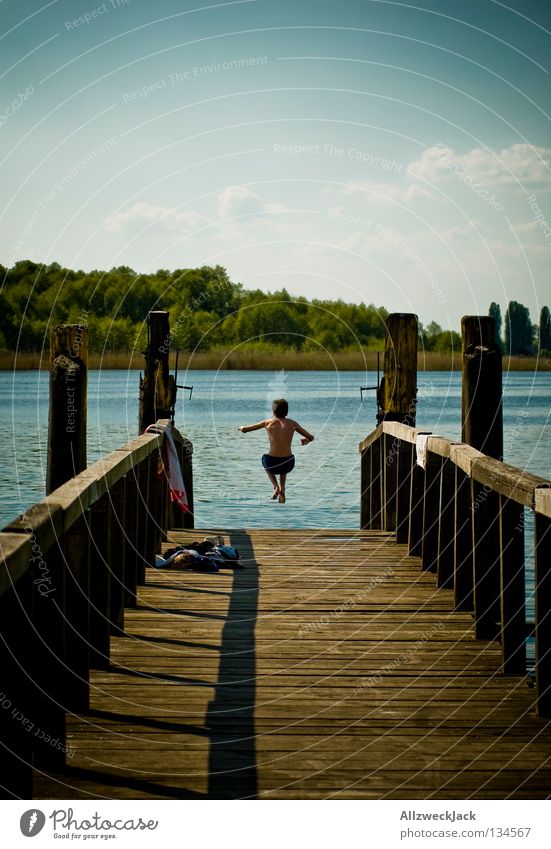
{"x": 207, "y": 310}
{"x": 521, "y": 337}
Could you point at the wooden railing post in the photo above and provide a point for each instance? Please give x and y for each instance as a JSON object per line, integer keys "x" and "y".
{"x": 154, "y": 532}
{"x": 462, "y": 456}
{"x": 143, "y": 520}
{"x": 376, "y": 489}
{"x": 390, "y": 449}
{"x": 445, "y": 552}
{"x": 99, "y": 518}
{"x": 76, "y": 554}
{"x": 365, "y": 486}
{"x": 431, "y": 511}
{"x": 68, "y": 402}
{"x": 371, "y": 504}
{"x": 513, "y": 588}
{"x": 416, "y": 510}
{"x": 405, "y": 467}
{"x": 49, "y": 660}
{"x": 543, "y": 599}
{"x": 117, "y": 558}
{"x": 463, "y": 542}
{"x": 49, "y": 670}
{"x": 486, "y": 560}
{"x": 481, "y": 398}
{"x": 16, "y": 682}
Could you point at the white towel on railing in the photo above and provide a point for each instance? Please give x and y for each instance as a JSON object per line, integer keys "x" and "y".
{"x": 176, "y": 487}
{"x": 421, "y": 448}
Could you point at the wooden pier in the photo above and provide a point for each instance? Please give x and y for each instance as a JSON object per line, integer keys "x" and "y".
{"x": 384, "y": 662}
{"x": 329, "y": 667}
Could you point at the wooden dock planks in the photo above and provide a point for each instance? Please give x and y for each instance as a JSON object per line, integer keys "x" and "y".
{"x": 329, "y": 667}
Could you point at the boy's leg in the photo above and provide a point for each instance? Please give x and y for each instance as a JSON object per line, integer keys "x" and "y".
{"x": 274, "y": 482}
{"x": 282, "y": 479}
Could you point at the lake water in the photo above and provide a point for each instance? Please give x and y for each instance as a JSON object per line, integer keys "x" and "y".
{"x": 230, "y": 485}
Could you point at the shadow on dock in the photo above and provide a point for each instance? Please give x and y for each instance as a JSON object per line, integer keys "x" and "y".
{"x": 230, "y": 715}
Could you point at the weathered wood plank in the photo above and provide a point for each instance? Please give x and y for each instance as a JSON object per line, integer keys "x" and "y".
{"x": 373, "y": 437}
{"x": 507, "y": 480}
{"x": 15, "y": 555}
{"x": 401, "y": 431}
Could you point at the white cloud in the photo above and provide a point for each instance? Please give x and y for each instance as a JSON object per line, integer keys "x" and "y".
{"x": 522, "y": 164}
{"x": 236, "y": 201}
{"x": 168, "y": 218}
{"x": 386, "y": 241}
{"x": 384, "y": 194}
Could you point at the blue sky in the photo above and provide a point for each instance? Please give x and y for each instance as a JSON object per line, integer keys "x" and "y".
{"x": 395, "y": 153}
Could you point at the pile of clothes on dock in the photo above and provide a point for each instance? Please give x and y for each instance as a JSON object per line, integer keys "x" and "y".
{"x": 210, "y": 555}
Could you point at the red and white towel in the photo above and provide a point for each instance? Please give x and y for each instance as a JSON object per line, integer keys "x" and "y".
{"x": 176, "y": 488}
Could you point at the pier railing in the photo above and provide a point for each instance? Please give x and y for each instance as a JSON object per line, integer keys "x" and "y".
{"x": 463, "y": 514}
{"x": 69, "y": 567}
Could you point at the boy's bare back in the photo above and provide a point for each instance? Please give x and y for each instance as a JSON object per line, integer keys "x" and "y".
{"x": 280, "y": 434}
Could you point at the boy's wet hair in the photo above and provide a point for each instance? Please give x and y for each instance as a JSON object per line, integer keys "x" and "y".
{"x": 280, "y": 408}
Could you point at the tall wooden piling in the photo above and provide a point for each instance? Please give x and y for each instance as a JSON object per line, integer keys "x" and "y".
{"x": 481, "y": 396}
{"x": 157, "y": 386}
{"x": 68, "y": 402}
{"x": 397, "y": 398}
{"x": 398, "y": 393}
{"x": 482, "y": 428}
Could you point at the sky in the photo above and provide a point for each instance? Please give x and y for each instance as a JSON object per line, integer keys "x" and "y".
{"x": 388, "y": 152}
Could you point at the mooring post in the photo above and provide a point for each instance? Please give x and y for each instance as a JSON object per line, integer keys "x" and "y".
{"x": 481, "y": 405}
{"x": 397, "y": 398}
{"x": 157, "y": 386}
{"x": 482, "y": 428}
{"x": 68, "y": 401}
{"x": 399, "y": 390}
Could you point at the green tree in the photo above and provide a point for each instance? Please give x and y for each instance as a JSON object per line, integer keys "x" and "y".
{"x": 448, "y": 340}
{"x": 495, "y": 312}
{"x": 519, "y": 330}
{"x": 545, "y": 330}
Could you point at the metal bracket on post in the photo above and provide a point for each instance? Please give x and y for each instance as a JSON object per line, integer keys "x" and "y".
{"x": 178, "y": 386}
{"x": 377, "y": 387}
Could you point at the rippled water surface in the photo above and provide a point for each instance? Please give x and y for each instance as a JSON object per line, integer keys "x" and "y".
{"x": 231, "y": 487}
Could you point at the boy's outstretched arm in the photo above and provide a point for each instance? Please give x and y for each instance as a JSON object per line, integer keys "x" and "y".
{"x": 247, "y": 428}
{"x": 306, "y": 437}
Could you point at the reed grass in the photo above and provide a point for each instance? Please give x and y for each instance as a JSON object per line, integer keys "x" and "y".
{"x": 266, "y": 360}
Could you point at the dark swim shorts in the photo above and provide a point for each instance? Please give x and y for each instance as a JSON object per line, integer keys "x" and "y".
{"x": 278, "y": 465}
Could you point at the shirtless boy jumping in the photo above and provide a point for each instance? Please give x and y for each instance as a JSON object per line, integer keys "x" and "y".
{"x": 279, "y": 460}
